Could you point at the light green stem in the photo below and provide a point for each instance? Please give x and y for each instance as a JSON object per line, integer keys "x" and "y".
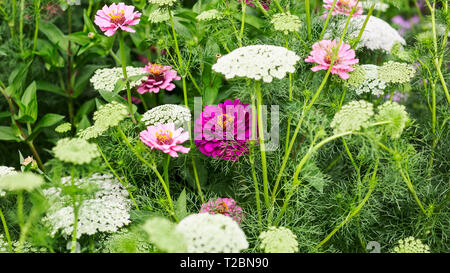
{"x": 5, "y": 228}
{"x": 308, "y": 19}
{"x": 124, "y": 70}
{"x": 327, "y": 20}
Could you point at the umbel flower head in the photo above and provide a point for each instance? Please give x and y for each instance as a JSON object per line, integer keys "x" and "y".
{"x": 4, "y": 171}
{"x": 208, "y": 233}
{"x": 167, "y": 113}
{"x": 364, "y": 79}
{"x": 106, "y": 78}
{"x": 397, "y": 117}
{"x": 63, "y": 128}
{"x": 20, "y": 182}
{"x": 325, "y": 51}
{"x": 116, "y": 16}
{"x": 163, "y": 3}
{"x": 107, "y": 116}
{"x": 377, "y": 34}
{"x": 225, "y": 206}
{"x": 163, "y": 234}
{"x": 352, "y": 117}
{"x": 75, "y": 150}
{"x": 224, "y": 130}
{"x": 166, "y": 138}
{"x": 411, "y": 245}
{"x": 395, "y": 72}
{"x": 158, "y": 16}
{"x": 258, "y": 62}
{"x": 210, "y": 15}
{"x": 286, "y": 22}
{"x": 159, "y": 77}
{"x": 126, "y": 241}
{"x": 278, "y": 240}
{"x": 343, "y": 7}
{"x": 106, "y": 211}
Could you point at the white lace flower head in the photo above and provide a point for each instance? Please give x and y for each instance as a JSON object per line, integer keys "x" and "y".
{"x": 158, "y": 16}
{"x": 106, "y": 211}
{"x": 352, "y": 116}
{"x": 278, "y": 240}
{"x": 395, "y": 72}
{"x": 364, "y": 79}
{"x": 411, "y": 245}
{"x": 212, "y": 233}
{"x": 209, "y": 15}
{"x": 258, "y": 62}
{"x": 377, "y": 34}
{"x": 397, "y": 117}
{"x": 286, "y": 22}
{"x": 167, "y": 113}
{"x": 106, "y": 78}
{"x": 4, "y": 170}
{"x": 367, "y": 4}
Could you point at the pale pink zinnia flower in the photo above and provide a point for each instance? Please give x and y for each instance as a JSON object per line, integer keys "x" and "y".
{"x": 324, "y": 51}
{"x": 116, "y": 16}
{"x": 164, "y": 137}
{"x": 160, "y": 77}
{"x": 343, "y": 7}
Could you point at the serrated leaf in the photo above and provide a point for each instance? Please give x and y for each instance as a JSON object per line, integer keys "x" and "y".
{"x": 180, "y": 206}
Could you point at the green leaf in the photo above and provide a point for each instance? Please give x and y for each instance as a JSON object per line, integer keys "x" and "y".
{"x": 17, "y": 78}
{"x": 80, "y": 38}
{"x": 46, "y": 121}
{"x": 110, "y": 96}
{"x": 54, "y": 34}
{"x": 180, "y": 206}
{"x": 5, "y": 114}
{"x": 83, "y": 79}
{"x": 29, "y": 107}
{"x": 7, "y": 133}
{"x": 84, "y": 110}
{"x": 50, "y": 87}
{"x": 88, "y": 23}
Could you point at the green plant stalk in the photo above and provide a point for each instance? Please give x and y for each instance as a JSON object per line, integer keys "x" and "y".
{"x": 276, "y": 4}
{"x": 194, "y": 165}
{"x": 296, "y": 182}
{"x": 69, "y": 68}
{"x": 261, "y": 8}
{"x": 166, "y": 170}
{"x": 308, "y": 19}
{"x": 117, "y": 176}
{"x": 21, "y": 17}
{"x": 255, "y": 181}
{"x": 354, "y": 211}
{"x": 24, "y": 231}
{"x": 244, "y": 7}
{"x": 76, "y": 208}
{"x": 37, "y": 14}
{"x": 153, "y": 168}
{"x": 177, "y": 49}
{"x": 5, "y": 228}
{"x": 369, "y": 13}
{"x": 327, "y": 20}
{"x": 288, "y": 130}
{"x": 124, "y": 69}
{"x": 36, "y": 155}
{"x": 262, "y": 144}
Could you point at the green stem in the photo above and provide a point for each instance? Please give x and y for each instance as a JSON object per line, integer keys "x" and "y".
{"x": 177, "y": 49}
{"x": 21, "y": 17}
{"x": 277, "y": 4}
{"x": 5, "y": 228}
{"x": 244, "y": 7}
{"x": 124, "y": 69}
{"x": 369, "y": 13}
{"x": 255, "y": 180}
{"x": 308, "y": 19}
{"x": 166, "y": 169}
{"x": 327, "y": 20}
{"x": 262, "y": 144}
{"x": 37, "y": 14}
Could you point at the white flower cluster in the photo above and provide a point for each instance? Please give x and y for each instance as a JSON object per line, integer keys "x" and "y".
{"x": 257, "y": 62}
{"x": 411, "y": 245}
{"x": 364, "y": 79}
{"x": 106, "y": 211}
{"x": 352, "y": 116}
{"x": 377, "y": 34}
{"x": 158, "y": 16}
{"x": 4, "y": 170}
{"x": 367, "y": 4}
{"x": 212, "y": 233}
{"x": 106, "y": 78}
{"x": 163, "y": 2}
{"x": 286, "y": 22}
{"x": 395, "y": 72}
{"x": 209, "y": 15}
{"x": 167, "y": 113}
{"x": 396, "y": 115}
{"x": 26, "y": 247}
{"x": 278, "y": 240}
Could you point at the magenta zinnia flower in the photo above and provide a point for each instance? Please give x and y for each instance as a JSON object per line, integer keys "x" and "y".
{"x": 164, "y": 137}
{"x": 224, "y": 130}
{"x": 343, "y": 7}
{"x": 225, "y": 206}
{"x": 160, "y": 77}
{"x": 116, "y": 16}
{"x": 324, "y": 51}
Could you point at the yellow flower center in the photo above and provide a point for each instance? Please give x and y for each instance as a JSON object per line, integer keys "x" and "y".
{"x": 224, "y": 120}
{"x": 117, "y": 18}
{"x": 155, "y": 69}
{"x": 164, "y": 137}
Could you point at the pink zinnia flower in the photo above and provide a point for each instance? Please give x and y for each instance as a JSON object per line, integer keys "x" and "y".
{"x": 116, "y": 16}
{"x": 223, "y": 130}
{"x": 324, "y": 51}
{"x": 164, "y": 137}
{"x": 343, "y": 7}
{"x": 160, "y": 77}
{"x": 225, "y": 206}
